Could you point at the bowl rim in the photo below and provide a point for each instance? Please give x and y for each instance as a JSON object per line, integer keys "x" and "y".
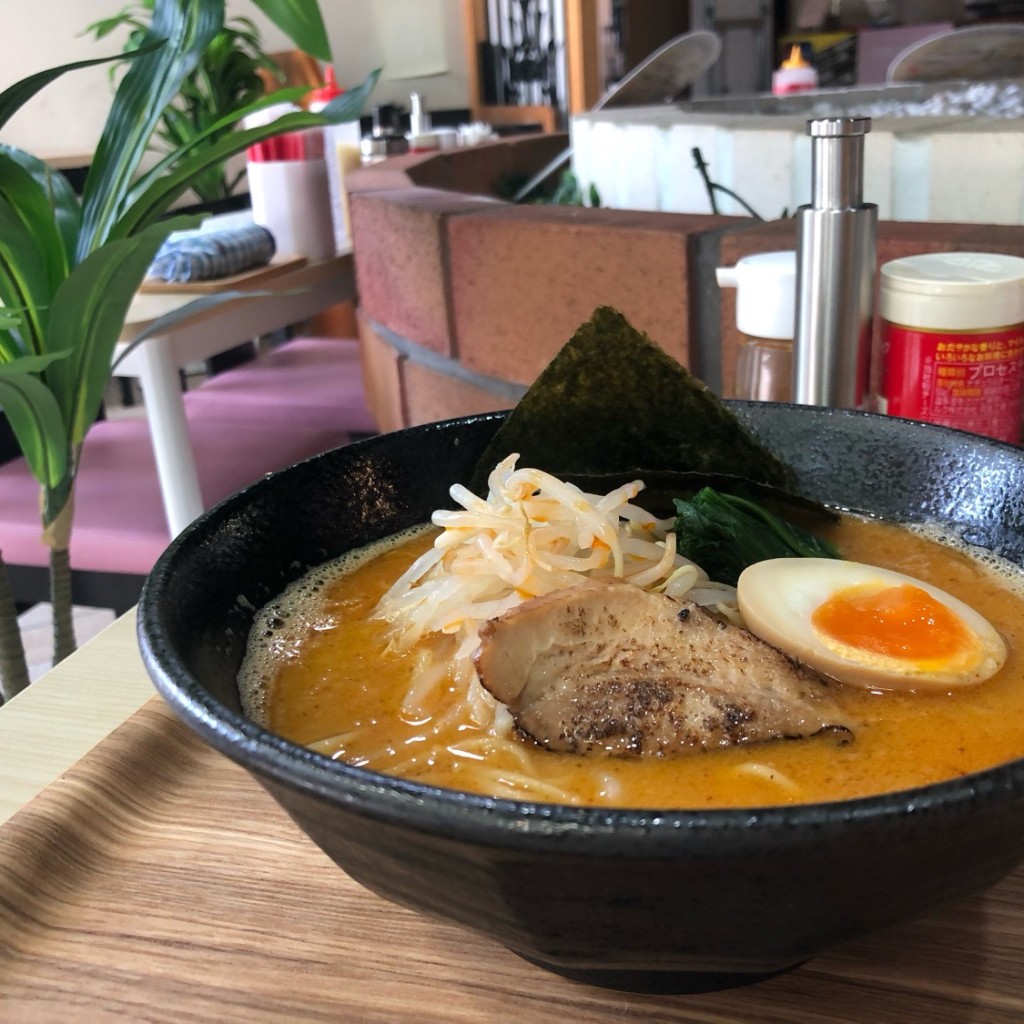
{"x": 505, "y": 821}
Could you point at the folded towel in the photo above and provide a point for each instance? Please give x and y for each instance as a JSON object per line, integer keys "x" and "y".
{"x": 202, "y": 255}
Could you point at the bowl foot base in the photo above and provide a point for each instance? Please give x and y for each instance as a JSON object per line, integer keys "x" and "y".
{"x": 656, "y": 982}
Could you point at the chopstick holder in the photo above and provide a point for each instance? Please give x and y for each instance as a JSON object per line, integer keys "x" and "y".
{"x": 291, "y": 199}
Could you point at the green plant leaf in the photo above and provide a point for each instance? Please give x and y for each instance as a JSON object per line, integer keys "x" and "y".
{"x": 224, "y": 79}
{"x": 158, "y": 188}
{"x": 60, "y": 195}
{"x": 35, "y": 418}
{"x": 89, "y": 312}
{"x": 33, "y": 205}
{"x": 162, "y": 189}
{"x": 16, "y": 96}
{"x": 33, "y": 364}
{"x": 24, "y": 278}
{"x": 151, "y": 83}
{"x": 10, "y": 347}
{"x": 349, "y": 105}
{"x": 183, "y": 138}
{"x": 302, "y": 22}
{"x": 102, "y": 28}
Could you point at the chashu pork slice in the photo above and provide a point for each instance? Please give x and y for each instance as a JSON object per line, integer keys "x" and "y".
{"x": 608, "y": 668}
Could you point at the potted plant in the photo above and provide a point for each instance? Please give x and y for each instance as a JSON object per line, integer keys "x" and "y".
{"x": 70, "y": 265}
{"x": 226, "y": 78}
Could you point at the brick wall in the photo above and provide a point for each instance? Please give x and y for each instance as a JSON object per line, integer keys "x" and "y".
{"x": 465, "y": 297}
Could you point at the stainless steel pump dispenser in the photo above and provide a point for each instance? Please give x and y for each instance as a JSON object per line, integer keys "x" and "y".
{"x": 836, "y": 238}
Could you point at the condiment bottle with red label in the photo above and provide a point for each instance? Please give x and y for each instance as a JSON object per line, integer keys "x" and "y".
{"x": 952, "y": 341}
{"x": 341, "y": 153}
{"x": 794, "y": 75}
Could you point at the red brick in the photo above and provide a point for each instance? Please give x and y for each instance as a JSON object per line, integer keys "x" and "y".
{"x": 400, "y": 249}
{"x": 431, "y": 395}
{"x": 429, "y": 170}
{"x": 382, "y": 379}
{"x": 1004, "y": 238}
{"x": 525, "y": 277}
{"x": 756, "y": 236}
{"x": 425, "y": 170}
{"x": 382, "y": 177}
{"x": 499, "y": 168}
{"x": 489, "y": 169}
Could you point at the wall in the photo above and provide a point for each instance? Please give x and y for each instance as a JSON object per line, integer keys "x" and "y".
{"x": 67, "y": 116}
{"x": 948, "y": 152}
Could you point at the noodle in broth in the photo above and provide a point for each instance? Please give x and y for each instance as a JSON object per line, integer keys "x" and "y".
{"x": 325, "y": 672}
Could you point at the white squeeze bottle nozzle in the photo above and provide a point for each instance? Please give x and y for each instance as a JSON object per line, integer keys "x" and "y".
{"x": 765, "y": 286}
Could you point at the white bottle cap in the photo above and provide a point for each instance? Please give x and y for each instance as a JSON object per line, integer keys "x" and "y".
{"x": 953, "y": 291}
{"x": 765, "y": 293}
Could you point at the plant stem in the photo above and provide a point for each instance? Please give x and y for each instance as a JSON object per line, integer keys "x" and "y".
{"x": 60, "y": 597}
{"x": 711, "y": 187}
{"x": 13, "y": 666}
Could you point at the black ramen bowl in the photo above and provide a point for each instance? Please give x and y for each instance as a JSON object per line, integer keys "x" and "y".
{"x": 621, "y": 897}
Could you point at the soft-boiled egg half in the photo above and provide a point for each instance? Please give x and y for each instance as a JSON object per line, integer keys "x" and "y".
{"x": 868, "y": 626}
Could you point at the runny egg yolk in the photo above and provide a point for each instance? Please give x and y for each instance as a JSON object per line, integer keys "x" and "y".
{"x": 899, "y": 622}
{"x": 868, "y": 626}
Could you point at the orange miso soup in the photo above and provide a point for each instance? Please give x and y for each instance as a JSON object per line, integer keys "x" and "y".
{"x": 318, "y": 673}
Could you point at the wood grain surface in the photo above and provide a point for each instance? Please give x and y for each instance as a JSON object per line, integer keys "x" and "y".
{"x": 156, "y": 881}
{"x": 245, "y": 279}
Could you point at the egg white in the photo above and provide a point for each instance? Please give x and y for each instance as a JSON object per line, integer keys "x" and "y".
{"x": 778, "y": 597}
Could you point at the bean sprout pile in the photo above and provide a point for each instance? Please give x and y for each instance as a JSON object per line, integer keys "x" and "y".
{"x": 532, "y": 534}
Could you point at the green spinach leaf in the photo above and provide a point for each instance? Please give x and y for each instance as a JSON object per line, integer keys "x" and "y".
{"x": 724, "y": 533}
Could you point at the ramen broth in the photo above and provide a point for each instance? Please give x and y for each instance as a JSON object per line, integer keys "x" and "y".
{"x": 318, "y": 674}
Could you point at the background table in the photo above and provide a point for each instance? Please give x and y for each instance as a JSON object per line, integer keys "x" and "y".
{"x": 282, "y": 300}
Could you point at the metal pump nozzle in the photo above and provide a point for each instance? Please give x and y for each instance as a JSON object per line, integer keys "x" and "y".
{"x": 835, "y": 270}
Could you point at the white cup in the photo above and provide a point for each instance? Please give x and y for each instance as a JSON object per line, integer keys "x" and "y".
{"x": 292, "y": 200}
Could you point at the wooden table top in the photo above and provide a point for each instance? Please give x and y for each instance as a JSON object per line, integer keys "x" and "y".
{"x": 155, "y": 880}
{"x": 153, "y": 302}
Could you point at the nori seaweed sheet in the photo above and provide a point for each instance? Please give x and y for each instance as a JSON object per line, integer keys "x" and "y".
{"x": 612, "y": 401}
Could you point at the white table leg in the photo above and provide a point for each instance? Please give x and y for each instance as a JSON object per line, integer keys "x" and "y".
{"x": 165, "y": 410}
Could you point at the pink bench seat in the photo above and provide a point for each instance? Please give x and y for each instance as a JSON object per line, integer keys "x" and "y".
{"x": 322, "y": 376}
{"x": 119, "y": 524}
